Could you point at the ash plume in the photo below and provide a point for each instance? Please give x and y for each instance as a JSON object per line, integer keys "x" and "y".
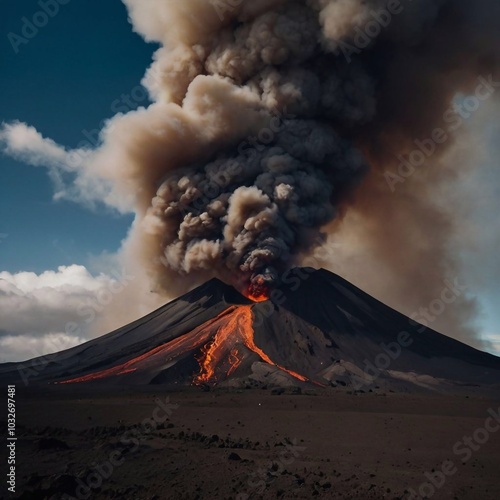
{"x": 242, "y": 208}
{"x": 342, "y": 77}
{"x": 250, "y": 211}
{"x": 252, "y": 145}
{"x": 225, "y": 72}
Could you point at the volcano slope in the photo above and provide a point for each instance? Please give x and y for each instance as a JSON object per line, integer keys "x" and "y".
{"x": 315, "y": 329}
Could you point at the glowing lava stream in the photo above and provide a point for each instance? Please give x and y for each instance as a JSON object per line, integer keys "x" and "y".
{"x": 233, "y": 328}
{"x": 237, "y": 330}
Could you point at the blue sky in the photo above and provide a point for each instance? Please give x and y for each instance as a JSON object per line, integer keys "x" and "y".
{"x": 63, "y": 82}
{"x": 69, "y": 78}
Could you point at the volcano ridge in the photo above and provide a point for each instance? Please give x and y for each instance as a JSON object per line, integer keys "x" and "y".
{"x": 316, "y": 328}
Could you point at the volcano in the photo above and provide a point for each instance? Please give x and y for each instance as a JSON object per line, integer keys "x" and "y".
{"x": 315, "y": 329}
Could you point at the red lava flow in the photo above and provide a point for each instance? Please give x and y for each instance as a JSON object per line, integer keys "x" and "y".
{"x": 222, "y": 341}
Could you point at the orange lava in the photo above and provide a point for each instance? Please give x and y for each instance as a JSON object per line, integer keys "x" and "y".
{"x": 258, "y": 298}
{"x": 237, "y": 330}
{"x": 223, "y": 339}
{"x": 167, "y": 352}
{"x": 257, "y": 292}
{"x": 234, "y": 361}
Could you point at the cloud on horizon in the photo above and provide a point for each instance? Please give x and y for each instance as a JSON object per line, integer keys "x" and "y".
{"x": 51, "y": 311}
{"x": 492, "y": 342}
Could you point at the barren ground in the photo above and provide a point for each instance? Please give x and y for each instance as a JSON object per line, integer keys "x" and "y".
{"x": 250, "y": 444}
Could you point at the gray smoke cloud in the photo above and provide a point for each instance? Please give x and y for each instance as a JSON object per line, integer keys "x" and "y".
{"x": 339, "y": 77}
{"x": 251, "y": 211}
{"x": 242, "y": 210}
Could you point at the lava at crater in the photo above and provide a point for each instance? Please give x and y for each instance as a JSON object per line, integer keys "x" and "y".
{"x": 260, "y": 285}
{"x": 257, "y": 293}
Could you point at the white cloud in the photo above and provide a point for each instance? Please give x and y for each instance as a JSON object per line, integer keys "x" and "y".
{"x": 24, "y": 347}
{"x": 54, "y": 310}
{"x": 70, "y": 170}
{"x": 492, "y": 343}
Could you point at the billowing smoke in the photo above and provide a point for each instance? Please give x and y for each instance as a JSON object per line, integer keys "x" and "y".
{"x": 261, "y": 108}
{"x": 251, "y": 211}
{"x": 245, "y": 208}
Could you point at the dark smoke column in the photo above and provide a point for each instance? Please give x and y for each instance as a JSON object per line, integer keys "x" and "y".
{"x": 247, "y": 209}
{"x": 214, "y": 199}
